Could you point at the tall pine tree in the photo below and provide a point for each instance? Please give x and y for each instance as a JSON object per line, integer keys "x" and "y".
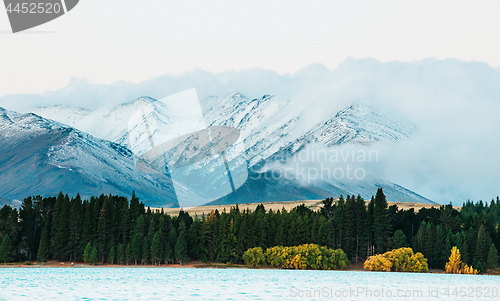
{"x": 381, "y": 222}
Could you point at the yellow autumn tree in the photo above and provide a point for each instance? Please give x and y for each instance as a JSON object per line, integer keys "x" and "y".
{"x": 454, "y": 264}
{"x": 307, "y": 256}
{"x": 469, "y": 270}
{"x": 378, "y": 263}
{"x": 399, "y": 260}
{"x": 254, "y": 256}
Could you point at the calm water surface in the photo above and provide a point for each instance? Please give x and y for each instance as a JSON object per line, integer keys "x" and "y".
{"x": 237, "y": 284}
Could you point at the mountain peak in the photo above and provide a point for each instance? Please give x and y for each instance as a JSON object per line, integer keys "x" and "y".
{"x": 139, "y": 101}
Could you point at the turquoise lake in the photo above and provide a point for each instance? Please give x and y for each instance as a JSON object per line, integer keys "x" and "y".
{"x": 238, "y": 284}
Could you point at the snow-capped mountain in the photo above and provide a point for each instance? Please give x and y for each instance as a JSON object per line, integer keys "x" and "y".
{"x": 43, "y": 157}
{"x": 269, "y": 126}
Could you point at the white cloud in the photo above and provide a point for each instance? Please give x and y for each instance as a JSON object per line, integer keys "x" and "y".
{"x": 454, "y": 104}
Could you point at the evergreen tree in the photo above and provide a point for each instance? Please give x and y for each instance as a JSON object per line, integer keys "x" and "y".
{"x": 156, "y": 248}
{"x": 399, "y": 240}
{"x": 75, "y": 226}
{"x": 361, "y": 228}
{"x": 195, "y": 240}
{"x": 492, "y": 261}
{"x": 139, "y": 228}
{"x": 145, "y": 251}
{"x": 135, "y": 249}
{"x": 111, "y": 255}
{"x": 430, "y": 243}
{"x": 120, "y": 254}
{"x": 93, "y": 256}
{"x": 482, "y": 245}
{"x": 279, "y": 238}
{"x": 172, "y": 238}
{"x": 381, "y": 222}
{"x": 135, "y": 209}
{"x": 181, "y": 248}
{"x": 369, "y": 214}
{"x": 87, "y": 252}
{"x": 27, "y": 225}
{"x": 128, "y": 255}
{"x": 6, "y": 249}
{"x": 43, "y": 248}
{"x": 471, "y": 244}
{"x": 168, "y": 253}
{"x": 60, "y": 227}
{"x": 349, "y": 235}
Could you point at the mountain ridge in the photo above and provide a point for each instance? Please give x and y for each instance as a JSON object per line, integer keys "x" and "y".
{"x": 43, "y": 157}
{"x": 269, "y": 130}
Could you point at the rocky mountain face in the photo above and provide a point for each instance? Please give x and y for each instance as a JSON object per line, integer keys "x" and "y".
{"x": 42, "y": 157}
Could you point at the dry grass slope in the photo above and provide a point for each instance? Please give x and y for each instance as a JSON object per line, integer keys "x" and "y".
{"x": 311, "y": 204}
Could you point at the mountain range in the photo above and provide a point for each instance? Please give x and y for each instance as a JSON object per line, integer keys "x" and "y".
{"x": 272, "y": 131}
{"x": 42, "y": 157}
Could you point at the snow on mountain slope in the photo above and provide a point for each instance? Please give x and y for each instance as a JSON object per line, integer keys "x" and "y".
{"x": 270, "y": 128}
{"x": 355, "y": 124}
{"x": 43, "y": 157}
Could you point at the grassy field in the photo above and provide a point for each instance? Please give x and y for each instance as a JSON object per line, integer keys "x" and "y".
{"x": 311, "y": 204}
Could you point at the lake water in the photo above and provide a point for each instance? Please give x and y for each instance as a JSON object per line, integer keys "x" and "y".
{"x": 237, "y": 284}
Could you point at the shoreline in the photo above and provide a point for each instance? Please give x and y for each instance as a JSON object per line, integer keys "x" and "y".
{"x": 357, "y": 267}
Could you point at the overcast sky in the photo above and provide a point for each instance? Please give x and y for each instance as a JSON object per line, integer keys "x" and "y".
{"x": 112, "y": 40}
{"x": 454, "y": 103}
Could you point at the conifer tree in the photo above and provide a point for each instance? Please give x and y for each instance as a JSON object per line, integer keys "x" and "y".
{"x": 75, "y": 224}
{"x": 181, "y": 248}
{"x": 349, "y": 235}
{"x": 128, "y": 254}
{"x": 430, "y": 243}
{"x": 112, "y": 255}
{"x": 369, "y": 214}
{"x": 93, "y": 256}
{"x": 6, "y": 250}
{"x": 172, "y": 238}
{"x": 168, "y": 253}
{"x": 279, "y": 238}
{"x": 60, "y": 228}
{"x": 120, "y": 254}
{"x": 470, "y": 242}
{"x": 482, "y": 245}
{"x": 361, "y": 228}
{"x": 87, "y": 252}
{"x": 399, "y": 240}
{"x": 156, "y": 248}
{"x": 27, "y": 225}
{"x": 43, "y": 248}
{"x": 145, "y": 251}
{"x": 135, "y": 210}
{"x": 136, "y": 249}
{"x": 492, "y": 261}
{"x": 195, "y": 240}
{"x": 381, "y": 222}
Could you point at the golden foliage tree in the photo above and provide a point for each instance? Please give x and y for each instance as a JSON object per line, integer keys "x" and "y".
{"x": 400, "y": 260}
{"x": 307, "y": 256}
{"x": 378, "y": 263}
{"x": 456, "y": 266}
{"x": 254, "y": 256}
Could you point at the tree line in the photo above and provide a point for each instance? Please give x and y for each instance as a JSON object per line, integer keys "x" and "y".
{"x": 110, "y": 229}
